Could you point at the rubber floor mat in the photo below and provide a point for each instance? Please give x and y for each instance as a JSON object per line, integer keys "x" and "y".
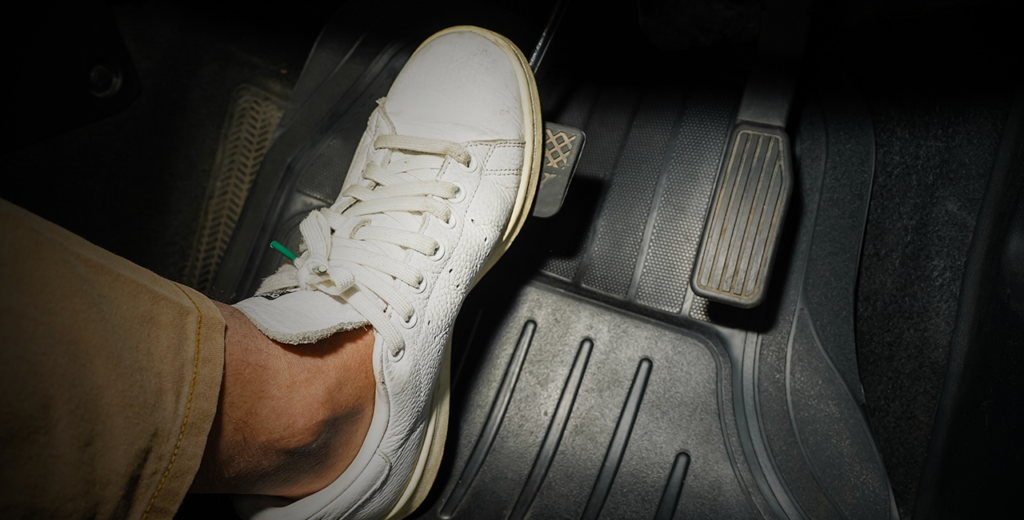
{"x": 631, "y": 217}
{"x": 588, "y": 415}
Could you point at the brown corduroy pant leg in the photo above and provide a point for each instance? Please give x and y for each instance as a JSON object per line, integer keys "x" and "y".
{"x": 109, "y": 378}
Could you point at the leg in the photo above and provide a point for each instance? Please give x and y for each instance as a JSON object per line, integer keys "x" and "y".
{"x": 291, "y": 417}
{"x": 109, "y": 378}
{"x": 108, "y": 364}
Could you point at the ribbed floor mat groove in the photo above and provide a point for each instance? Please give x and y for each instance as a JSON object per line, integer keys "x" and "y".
{"x": 496, "y": 415}
{"x": 673, "y": 487}
{"x": 604, "y": 405}
{"x": 620, "y": 438}
{"x": 555, "y": 431}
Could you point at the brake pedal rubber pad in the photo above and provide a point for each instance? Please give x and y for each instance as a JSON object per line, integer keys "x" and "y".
{"x": 744, "y": 222}
{"x": 562, "y": 148}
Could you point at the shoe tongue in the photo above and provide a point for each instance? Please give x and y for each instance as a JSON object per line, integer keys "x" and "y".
{"x": 407, "y": 168}
{"x": 414, "y": 167}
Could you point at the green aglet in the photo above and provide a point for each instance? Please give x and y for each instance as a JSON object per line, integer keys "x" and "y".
{"x": 283, "y": 250}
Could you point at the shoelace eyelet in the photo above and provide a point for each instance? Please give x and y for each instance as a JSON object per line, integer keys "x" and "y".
{"x": 438, "y": 253}
{"x": 422, "y": 287}
{"x": 471, "y": 166}
{"x": 452, "y": 220}
{"x": 459, "y": 195}
{"x": 397, "y": 356}
{"x": 411, "y": 323}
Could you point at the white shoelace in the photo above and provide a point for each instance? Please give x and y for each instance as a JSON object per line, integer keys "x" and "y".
{"x": 370, "y": 258}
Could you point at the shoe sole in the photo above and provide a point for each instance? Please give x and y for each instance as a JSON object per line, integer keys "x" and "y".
{"x": 432, "y": 449}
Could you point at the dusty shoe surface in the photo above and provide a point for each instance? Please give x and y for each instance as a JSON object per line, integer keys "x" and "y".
{"x": 440, "y": 185}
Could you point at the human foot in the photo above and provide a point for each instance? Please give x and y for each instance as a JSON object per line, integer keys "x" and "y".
{"x": 440, "y": 185}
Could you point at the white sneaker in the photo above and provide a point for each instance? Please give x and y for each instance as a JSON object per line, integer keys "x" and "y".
{"x": 441, "y": 183}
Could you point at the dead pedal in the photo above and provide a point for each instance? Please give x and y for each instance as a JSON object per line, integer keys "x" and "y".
{"x": 245, "y": 138}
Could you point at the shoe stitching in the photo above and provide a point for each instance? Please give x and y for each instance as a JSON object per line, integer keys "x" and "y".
{"x": 487, "y": 159}
{"x": 494, "y": 172}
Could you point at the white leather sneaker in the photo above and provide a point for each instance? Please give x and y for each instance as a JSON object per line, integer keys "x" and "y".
{"x": 441, "y": 183}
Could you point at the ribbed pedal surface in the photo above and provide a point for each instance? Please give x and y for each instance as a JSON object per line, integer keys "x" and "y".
{"x": 745, "y": 217}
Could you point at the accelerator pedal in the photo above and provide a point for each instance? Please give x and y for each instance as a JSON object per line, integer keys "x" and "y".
{"x": 747, "y": 209}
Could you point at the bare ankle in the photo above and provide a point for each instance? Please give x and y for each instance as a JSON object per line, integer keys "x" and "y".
{"x": 291, "y": 417}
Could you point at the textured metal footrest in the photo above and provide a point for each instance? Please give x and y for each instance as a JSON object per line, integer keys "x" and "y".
{"x": 244, "y": 141}
{"x": 744, "y": 221}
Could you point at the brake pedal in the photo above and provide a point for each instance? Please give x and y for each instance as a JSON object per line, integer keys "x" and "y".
{"x": 562, "y": 148}
{"x": 744, "y": 222}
